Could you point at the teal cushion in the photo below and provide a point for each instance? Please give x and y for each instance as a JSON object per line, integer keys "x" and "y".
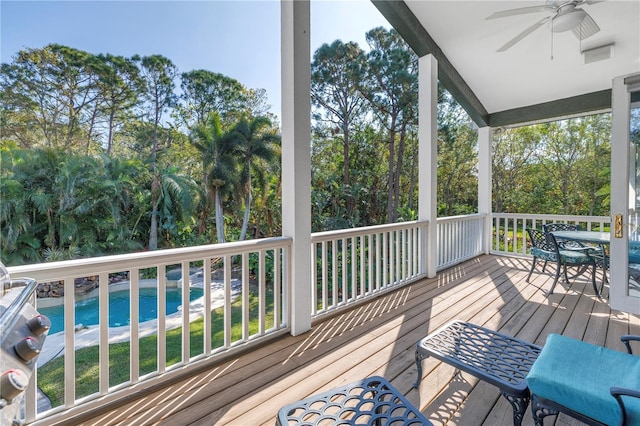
{"x": 574, "y": 257}
{"x": 543, "y": 254}
{"x": 579, "y": 375}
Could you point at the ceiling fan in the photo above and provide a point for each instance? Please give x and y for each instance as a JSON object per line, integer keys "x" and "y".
{"x": 565, "y": 16}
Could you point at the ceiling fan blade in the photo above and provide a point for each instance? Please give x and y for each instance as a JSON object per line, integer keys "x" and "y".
{"x": 525, "y": 33}
{"x": 519, "y": 11}
{"x": 586, "y": 29}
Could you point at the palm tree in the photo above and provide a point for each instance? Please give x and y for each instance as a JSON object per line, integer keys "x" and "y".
{"x": 119, "y": 192}
{"x": 175, "y": 200}
{"x": 256, "y": 140}
{"x": 219, "y": 165}
{"x": 18, "y": 242}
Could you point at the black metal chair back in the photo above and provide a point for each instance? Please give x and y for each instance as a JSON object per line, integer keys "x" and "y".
{"x": 540, "y": 241}
{"x": 551, "y": 227}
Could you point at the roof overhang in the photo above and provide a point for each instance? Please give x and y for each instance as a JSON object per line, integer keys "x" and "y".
{"x": 523, "y": 84}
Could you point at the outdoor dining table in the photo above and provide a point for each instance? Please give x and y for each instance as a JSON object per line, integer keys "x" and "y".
{"x": 589, "y": 237}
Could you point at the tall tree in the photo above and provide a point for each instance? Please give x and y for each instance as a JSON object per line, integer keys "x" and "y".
{"x": 336, "y": 71}
{"x": 51, "y": 89}
{"x": 159, "y": 75}
{"x": 514, "y": 150}
{"x": 204, "y": 92}
{"x": 595, "y": 173}
{"x": 457, "y": 159}
{"x": 563, "y": 151}
{"x": 119, "y": 86}
{"x": 390, "y": 85}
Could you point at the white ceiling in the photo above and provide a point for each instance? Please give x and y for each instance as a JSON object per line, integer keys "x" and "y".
{"x": 525, "y": 74}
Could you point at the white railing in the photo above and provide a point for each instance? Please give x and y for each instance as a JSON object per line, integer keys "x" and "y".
{"x": 248, "y": 299}
{"x": 459, "y": 238}
{"x": 509, "y": 235}
{"x": 351, "y": 265}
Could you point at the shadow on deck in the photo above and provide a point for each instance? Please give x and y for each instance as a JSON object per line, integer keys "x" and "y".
{"x": 378, "y": 338}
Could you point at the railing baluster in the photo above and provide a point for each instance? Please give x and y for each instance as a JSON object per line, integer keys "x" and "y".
{"x": 245, "y": 296}
{"x": 345, "y": 287}
{"x": 277, "y": 288}
{"x": 334, "y": 272}
{"x": 262, "y": 293}
{"x": 363, "y": 281}
{"x": 314, "y": 278}
{"x": 206, "y": 293}
{"x": 103, "y": 338}
{"x": 134, "y": 326}
{"x": 69, "y": 343}
{"x": 325, "y": 284}
{"x": 162, "y": 317}
{"x": 226, "y": 265}
{"x": 372, "y": 286}
{"x": 354, "y": 277}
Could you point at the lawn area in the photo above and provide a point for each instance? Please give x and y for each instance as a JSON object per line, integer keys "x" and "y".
{"x": 51, "y": 375}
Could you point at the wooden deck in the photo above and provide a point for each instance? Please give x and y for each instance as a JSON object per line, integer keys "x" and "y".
{"x": 379, "y": 339}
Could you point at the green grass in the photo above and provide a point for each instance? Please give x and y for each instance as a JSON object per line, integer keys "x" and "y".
{"x": 51, "y": 375}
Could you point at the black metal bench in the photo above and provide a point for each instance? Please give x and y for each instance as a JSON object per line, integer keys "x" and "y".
{"x": 501, "y": 360}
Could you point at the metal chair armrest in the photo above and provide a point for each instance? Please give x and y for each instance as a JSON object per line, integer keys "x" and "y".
{"x": 628, "y": 338}
{"x": 583, "y": 249}
{"x": 618, "y": 393}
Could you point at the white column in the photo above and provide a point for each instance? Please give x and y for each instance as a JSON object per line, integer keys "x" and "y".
{"x": 622, "y": 198}
{"x": 428, "y": 157}
{"x": 484, "y": 183}
{"x": 296, "y": 155}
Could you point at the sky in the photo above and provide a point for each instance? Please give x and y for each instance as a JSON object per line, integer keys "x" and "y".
{"x": 237, "y": 38}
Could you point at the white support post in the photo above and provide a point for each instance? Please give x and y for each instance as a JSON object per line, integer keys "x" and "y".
{"x": 484, "y": 183}
{"x": 296, "y": 155}
{"x": 428, "y": 157}
{"x": 622, "y": 195}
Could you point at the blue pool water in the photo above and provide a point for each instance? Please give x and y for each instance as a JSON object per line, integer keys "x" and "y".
{"x": 87, "y": 312}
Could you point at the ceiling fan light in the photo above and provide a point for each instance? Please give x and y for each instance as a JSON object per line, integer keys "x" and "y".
{"x": 567, "y": 21}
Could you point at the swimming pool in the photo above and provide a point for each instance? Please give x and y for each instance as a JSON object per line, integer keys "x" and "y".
{"x": 87, "y": 312}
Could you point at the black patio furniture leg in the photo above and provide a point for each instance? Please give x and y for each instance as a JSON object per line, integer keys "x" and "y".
{"x": 564, "y": 270}
{"x": 519, "y": 405}
{"x": 539, "y": 412}
{"x": 605, "y": 265}
{"x": 419, "y": 358}
{"x": 555, "y": 280}
{"x": 593, "y": 282}
{"x": 533, "y": 266}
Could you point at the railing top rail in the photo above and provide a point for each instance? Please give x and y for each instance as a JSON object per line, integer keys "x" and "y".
{"x": 462, "y": 217}
{"x": 121, "y": 262}
{"x": 351, "y": 232}
{"x": 549, "y": 217}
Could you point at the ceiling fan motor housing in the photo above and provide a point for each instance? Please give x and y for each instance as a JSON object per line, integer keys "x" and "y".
{"x": 567, "y": 18}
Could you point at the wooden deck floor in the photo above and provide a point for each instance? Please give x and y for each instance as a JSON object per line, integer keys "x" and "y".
{"x": 379, "y": 339}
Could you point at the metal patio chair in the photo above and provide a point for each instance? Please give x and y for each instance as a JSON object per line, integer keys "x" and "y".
{"x": 599, "y": 253}
{"x": 545, "y": 248}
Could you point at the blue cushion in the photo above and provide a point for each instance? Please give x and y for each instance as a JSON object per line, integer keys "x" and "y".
{"x": 543, "y": 254}
{"x": 574, "y": 257}
{"x": 579, "y": 375}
